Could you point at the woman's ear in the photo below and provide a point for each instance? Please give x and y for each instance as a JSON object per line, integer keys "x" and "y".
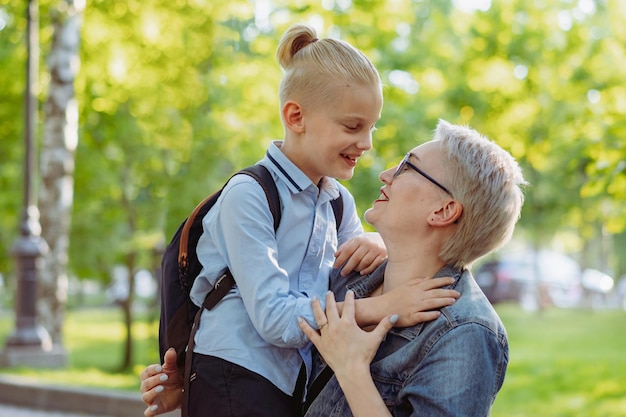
{"x": 448, "y": 214}
{"x": 292, "y": 116}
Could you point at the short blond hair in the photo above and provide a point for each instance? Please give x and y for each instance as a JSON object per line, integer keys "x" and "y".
{"x": 488, "y": 183}
{"x": 313, "y": 67}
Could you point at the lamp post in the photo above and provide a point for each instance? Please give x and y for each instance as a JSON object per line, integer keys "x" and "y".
{"x": 30, "y": 343}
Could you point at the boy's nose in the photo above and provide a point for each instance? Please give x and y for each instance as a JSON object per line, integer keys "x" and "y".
{"x": 365, "y": 142}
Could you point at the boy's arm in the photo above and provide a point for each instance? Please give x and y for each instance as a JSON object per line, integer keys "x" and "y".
{"x": 415, "y": 302}
{"x": 363, "y": 253}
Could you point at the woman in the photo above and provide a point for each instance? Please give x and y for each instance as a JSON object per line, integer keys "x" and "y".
{"x": 449, "y": 202}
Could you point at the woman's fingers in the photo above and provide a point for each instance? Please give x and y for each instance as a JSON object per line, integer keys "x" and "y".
{"x": 149, "y": 383}
{"x": 331, "y": 307}
{"x": 151, "y": 389}
{"x": 150, "y": 370}
{"x": 384, "y": 326}
{"x": 318, "y": 313}
{"x": 310, "y": 332}
{"x": 349, "y": 308}
{"x": 322, "y": 318}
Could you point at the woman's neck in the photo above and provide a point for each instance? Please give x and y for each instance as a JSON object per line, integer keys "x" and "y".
{"x": 402, "y": 269}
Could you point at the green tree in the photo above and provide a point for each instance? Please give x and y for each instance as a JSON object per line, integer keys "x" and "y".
{"x": 174, "y": 96}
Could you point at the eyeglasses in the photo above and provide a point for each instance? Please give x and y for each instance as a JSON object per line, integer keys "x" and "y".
{"x": 405, "y": 162}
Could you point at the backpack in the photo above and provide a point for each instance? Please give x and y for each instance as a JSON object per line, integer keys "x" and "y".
{"x": 180, "y": 267}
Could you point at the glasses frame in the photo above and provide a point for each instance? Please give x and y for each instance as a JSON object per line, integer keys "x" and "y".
{"x": 406, "y": 162}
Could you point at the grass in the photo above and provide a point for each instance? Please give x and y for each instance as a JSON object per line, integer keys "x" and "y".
{"x": 564, "y": 363}
{"x": 94, "y": 339}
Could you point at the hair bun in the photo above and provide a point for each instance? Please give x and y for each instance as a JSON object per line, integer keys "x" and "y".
{"x": 297, "y": 37}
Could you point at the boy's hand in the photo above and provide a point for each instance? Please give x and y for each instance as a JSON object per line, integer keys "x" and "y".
{"x": 362, "y": 253}
{"x": 419, "y": 300}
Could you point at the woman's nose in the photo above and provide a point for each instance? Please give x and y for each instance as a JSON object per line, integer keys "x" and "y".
{"x": 387, "y": 175}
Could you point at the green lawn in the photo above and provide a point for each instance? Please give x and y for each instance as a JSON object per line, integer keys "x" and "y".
{"x": 94, "y": 341}
{"x": 564, "y": 363}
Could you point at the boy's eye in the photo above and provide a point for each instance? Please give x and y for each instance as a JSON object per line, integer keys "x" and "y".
{"x": 358, "y": 127}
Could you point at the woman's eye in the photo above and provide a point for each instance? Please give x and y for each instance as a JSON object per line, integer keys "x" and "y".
{"x": 404, "y": 168}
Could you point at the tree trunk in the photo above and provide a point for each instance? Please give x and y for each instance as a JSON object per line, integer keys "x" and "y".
{"x": 127, "y": 308}
{"x": 60, "y": 138}
{"x": 131, "y": 266}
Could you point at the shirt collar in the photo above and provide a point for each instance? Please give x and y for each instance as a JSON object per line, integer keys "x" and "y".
{"x": 296, "y": 180}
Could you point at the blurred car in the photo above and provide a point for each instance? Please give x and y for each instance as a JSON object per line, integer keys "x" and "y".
{"x": 597, "y": 281}
{"x": 597, "y": 288}
{"x": 532, "y": 279}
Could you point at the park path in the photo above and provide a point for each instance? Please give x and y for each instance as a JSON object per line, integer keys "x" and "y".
{"x": 20, "y": 398}
{"x": 14, "y": 411}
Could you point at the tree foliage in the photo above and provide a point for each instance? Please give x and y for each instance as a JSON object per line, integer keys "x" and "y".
{"x": 175, "y": 95}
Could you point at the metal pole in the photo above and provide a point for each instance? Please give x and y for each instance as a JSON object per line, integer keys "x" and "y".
{"x": 30, "y": 247}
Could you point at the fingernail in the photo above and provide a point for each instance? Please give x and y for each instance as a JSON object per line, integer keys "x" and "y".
{"x": 393, "y": 319}
{"x": 159, "y": 388}
{"x": 163, "y": 377}
{"x": 154, "y": 407}
{"x": 299, "y": 319}
{"x": 158, "y": 368}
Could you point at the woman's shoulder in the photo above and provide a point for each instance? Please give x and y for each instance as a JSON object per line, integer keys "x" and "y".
{"x": 473, "y": 307}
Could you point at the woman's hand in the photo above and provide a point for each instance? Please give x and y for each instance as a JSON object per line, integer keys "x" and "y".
{"x": 343, "y": 344}
{"x": 162, "y": 386}
{"x": 349, "y": 350}
{"x": 363, "y": 253}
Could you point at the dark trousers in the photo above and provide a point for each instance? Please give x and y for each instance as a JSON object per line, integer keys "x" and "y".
{"x": 219, "y": 388}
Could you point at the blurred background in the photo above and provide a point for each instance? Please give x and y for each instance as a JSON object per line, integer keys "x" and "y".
{"x": 128, "y": 113}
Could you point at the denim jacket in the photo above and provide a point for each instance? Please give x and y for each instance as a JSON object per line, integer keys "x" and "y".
{"x": 452, "y": 366}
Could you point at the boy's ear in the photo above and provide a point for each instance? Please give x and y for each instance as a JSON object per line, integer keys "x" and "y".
{"x": 447, "y": 214}
{"x": 292, "y": 116}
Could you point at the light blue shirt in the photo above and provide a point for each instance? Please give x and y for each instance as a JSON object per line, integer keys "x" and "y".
{"x": 277, "y": 274}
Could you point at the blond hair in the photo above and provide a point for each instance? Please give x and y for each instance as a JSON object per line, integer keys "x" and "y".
{"x": 488, "y": 183}
{"x": 313, "y": 67}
